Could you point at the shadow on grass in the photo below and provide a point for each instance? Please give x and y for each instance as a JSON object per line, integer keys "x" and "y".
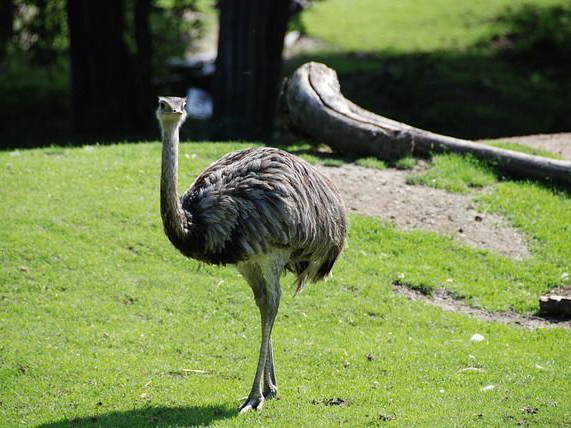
{"x": 150, "y": 417}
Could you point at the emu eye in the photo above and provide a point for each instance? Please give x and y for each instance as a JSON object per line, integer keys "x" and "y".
{"x": 162, "y": 105}
{"x": 184, "y": 105}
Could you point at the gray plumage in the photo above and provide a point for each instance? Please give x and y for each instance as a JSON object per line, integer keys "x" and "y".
{"x": 263, "y": 210}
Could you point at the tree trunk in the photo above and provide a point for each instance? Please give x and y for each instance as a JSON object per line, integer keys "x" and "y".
{"x": 146, "y": 96}
{"x": 6, "y": 26}
{"x": 109, "y": 94}
{"x": 248, "y": 66}
{"x": 315, "y": 106}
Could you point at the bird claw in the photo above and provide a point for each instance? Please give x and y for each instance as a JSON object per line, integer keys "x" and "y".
{"x": 270, "y": 392}
{"x": 252, "y": 403}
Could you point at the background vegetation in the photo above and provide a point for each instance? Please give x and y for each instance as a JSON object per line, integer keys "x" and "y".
{"x": 474, "y": 70}
{"x": 35, "y": 72}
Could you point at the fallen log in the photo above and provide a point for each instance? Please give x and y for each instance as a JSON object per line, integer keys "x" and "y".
{"x": 554, "y": 305}
{"x": 314, "y": 105}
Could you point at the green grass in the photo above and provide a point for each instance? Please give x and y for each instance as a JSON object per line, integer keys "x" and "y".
{"x": 455, "y": 173}
{"x": 312, "y": 155}
{"x": 517, "y": 147}
{"x": 405, "y": 163}
{"x": 371, "y": 162}
{"x": 102, "y": 322}
{"x": 407, "y": 25}
{"x": 543, "y": 212}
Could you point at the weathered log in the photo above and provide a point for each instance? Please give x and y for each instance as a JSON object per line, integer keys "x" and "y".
{"x": 314, "y": 105}
{"x": 555, "y": 305}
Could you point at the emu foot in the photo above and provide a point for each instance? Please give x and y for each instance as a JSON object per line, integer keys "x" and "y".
{"x": 270, "y": 392}
{"x": 253, "y": 402}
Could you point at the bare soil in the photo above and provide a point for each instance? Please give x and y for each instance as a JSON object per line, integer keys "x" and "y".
{"x": 385, "y": 194}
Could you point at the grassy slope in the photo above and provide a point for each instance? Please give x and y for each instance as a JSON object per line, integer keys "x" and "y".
{"x": 407, "y": 25}
{"x": 100, "y": 317}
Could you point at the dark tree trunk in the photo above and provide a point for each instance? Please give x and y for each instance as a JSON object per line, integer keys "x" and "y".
{"x": 144, "y": 59}
{"x": 109, "y": 94}
{"x": 248, "y": 66}
{"x": 6, "y": 26}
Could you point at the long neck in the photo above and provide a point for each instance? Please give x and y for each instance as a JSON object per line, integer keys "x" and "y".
{"x": 174, "y": 220}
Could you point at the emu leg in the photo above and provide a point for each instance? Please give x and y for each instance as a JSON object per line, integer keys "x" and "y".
{"x": 264, "y": 281}
{"x": 268, "y": 305}
{"x": 270, "y": 384}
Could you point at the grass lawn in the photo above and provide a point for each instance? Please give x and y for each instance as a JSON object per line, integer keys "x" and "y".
{"x": 103, "y": 323}
{"x": 408, "y": 25}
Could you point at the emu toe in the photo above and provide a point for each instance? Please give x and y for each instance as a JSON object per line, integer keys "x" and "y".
{"x": 255, "y": 402}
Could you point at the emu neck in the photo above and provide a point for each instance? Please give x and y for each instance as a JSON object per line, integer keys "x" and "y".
{"x": 174, "y": 220}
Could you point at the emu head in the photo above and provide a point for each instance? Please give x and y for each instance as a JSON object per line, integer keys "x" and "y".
{"x": 171, "y": 111}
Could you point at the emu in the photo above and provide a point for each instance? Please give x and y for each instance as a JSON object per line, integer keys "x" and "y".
{"x": 262, "y": 210}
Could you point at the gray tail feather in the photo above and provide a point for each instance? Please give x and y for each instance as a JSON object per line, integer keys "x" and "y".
{"x": 316, "y": 271}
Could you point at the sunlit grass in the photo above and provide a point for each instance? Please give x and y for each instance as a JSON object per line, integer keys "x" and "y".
{"x": 455, "y": 173}
{"x": 371, "y": 162}
{"x": 405, "y": 163}
{"x": 540, "y": 210}
{"x": 103, "y": 323}
{"x": 517, "y": 147}
{"x": 407, "y": 25}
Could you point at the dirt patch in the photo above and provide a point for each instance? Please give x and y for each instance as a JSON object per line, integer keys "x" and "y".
{"x": 446, "y": 300}
{"x": 385, "y": 194}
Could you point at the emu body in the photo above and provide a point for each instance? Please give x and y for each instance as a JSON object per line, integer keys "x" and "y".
{"x": 263, "y": 210}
